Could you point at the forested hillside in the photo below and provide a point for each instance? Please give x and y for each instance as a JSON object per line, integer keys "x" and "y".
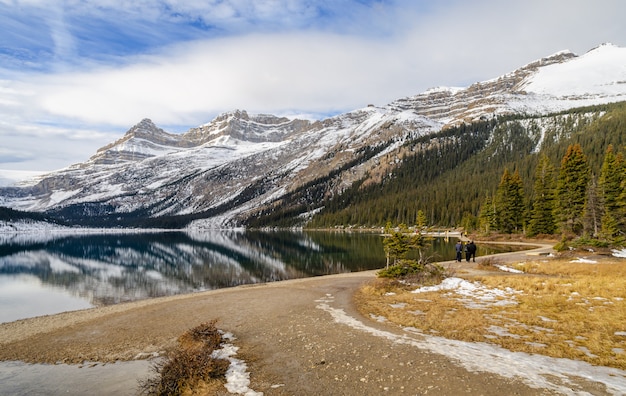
{"x": 451, "y": 174}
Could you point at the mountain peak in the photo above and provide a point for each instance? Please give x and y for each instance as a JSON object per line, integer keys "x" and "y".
{"x": 141, "y": 141}
{"x": 236, "y": 114}
{"x": 240, "y": 125}
{"x": 145, "y": 128}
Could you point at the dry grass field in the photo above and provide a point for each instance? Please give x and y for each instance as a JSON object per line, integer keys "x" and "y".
{"x": 562, "y": 308}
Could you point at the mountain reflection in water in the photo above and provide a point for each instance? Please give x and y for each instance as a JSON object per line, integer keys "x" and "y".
{"x": 49, "y": 273}
{"x": 106, "y": 268}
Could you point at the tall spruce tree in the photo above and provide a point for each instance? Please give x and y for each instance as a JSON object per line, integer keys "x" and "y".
{"x": 510, "y": 202}
{"x": 542, "y": 214}
{"x": 610, "y": 186}
{"x": 622, "y": 209}
{"x": 571, "y": 190}
{"x": 593, "y": 209}
{"x": 487, "y": 217}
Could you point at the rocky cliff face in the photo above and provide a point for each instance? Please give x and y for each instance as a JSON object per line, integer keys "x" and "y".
{"x": 498, "y": 96}
{"x": 225, "y": 171}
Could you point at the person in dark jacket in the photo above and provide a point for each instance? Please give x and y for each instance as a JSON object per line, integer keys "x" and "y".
{"x": 459, "y": 250}
{"x": 470, "y": 251}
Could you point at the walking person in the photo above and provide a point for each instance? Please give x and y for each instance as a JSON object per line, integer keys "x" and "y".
{"x": 470, "y": 251}
{"x": 459, "y": 250}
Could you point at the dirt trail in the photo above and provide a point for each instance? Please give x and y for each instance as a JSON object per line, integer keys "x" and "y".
{"x": 287, "y": 335}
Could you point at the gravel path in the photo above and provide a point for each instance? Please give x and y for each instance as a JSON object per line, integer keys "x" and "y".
{"x": 287, "y": 334}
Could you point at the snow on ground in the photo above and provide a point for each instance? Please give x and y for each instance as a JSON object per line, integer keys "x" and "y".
{"x": 473, "y": 294}
{"x": 583, "y": 261}
{"x": 237, "y": 375}
{"x": 619, "y": 253}
{"x": 509, "y": 269}
{"x": 536, "y": 371}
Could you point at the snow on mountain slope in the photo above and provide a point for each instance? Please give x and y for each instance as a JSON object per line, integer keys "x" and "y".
{"x": 600, "y": 72}
{"x": 228, "y": 168}
{"x": 559, "y": 82}
{"x": 237, "y": 158}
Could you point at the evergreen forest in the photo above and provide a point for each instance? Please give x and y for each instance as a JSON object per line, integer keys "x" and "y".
{"x": 556, "y": 173}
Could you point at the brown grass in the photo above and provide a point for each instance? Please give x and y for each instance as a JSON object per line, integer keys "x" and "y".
{"x": 557, "y": 308}
{"x": 190, "y": 369}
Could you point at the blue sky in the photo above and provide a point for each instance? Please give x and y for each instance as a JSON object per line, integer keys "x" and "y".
{"x": 75, "y": 75}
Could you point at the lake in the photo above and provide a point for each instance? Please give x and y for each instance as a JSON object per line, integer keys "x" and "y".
{"x": 42, "y": 274}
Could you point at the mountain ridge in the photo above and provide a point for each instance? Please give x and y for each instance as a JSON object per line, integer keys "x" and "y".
{"x": 222, "y": 172}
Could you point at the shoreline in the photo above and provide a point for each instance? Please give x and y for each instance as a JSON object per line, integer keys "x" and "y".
{"x": 298, "y": 336}
{"x": 27, "y": 327}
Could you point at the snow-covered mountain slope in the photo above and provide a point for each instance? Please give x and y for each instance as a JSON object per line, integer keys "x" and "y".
{"x": 220, "y": 173}
{"x": 559, "y": 82}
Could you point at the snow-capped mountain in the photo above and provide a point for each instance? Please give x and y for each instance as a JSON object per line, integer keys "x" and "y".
{"x": 225, "y": 171}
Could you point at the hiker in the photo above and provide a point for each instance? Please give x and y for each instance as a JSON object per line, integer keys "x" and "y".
{"x": 459, "y": 251}
{"x": 470, "y": 251}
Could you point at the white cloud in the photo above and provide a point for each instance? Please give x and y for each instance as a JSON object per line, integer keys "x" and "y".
{"x": 261, "y": 73}
{"x": 282, "y": 56}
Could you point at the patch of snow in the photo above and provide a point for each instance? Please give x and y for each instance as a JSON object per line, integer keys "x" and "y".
{"x": 378, "y": 318}
{"x": 584, "y": 261}
{"x": 509, "y": 269}
{"x": 619, "y": 253}
{"x": 450, "y": 90}
{"x": 237, "y": 375}
{"x": 536, "y": 371}
{"x": 473, "y": 294}
{"x": 61, "y": 195}
{"x": 502, "y": 332}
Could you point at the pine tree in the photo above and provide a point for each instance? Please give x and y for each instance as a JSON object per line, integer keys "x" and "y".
{"x": 510, "y": 202}
{"x": 542, "y": 214}
{"x": 420, "y": 241}
{"x": 421, "y": 220}
{"x": 571, "y": 190}
{"x": 517, "y": 202}
{"x": 593, "y": 209}
{"x": 396, "y": 243}
{"x": 610, "y": 186}
{"x": 622, "y": 209}
{"x": 487, "y": 217}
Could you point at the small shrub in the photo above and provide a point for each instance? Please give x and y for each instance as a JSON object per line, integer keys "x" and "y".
{"x": 414, "y": 271}
{"x": 489, "y": 263}
{"x": 190, "y": 364}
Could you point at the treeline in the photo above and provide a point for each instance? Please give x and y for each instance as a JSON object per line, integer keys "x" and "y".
{"x": 12, "y": 215}
{"x": 572, "y": 200}
{"x": 453, "y": 173}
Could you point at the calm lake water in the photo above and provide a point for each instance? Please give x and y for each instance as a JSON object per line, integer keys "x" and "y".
{"x": 43, "y": 274}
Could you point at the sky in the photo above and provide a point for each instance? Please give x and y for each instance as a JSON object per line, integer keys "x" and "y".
{"x": 75, "y": 75}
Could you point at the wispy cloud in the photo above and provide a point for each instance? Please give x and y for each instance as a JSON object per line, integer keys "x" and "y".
{"x": 103, "y": 65}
